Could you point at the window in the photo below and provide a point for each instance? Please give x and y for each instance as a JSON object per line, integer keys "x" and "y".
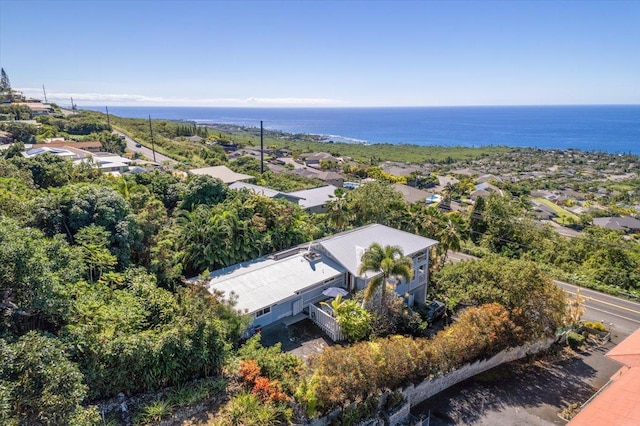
{"x": 262, "y": 312}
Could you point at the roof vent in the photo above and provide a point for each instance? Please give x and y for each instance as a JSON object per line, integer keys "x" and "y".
{"x": 311, "y": 256}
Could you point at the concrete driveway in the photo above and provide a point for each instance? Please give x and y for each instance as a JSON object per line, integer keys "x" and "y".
{"x": 523, "y": 392}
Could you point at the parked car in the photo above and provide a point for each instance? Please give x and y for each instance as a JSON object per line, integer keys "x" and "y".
{"x": 435, "y": 310}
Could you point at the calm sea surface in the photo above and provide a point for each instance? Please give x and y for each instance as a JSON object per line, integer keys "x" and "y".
{"x": 614, "y": 129}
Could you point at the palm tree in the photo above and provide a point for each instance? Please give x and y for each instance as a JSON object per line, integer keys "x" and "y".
{"x": 387, "y": 262}
{"x": 337, "y": 212}
{"x": 449, "y": 236}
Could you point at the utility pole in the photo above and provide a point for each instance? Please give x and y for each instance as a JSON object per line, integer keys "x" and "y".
{"x": 108, "y": 121}
{"x": 153, "y": 145}
{"x": 261, "y": 149}
{"x": 45, "y": 95}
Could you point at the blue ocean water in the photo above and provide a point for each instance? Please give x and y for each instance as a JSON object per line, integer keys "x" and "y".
{"x": 609, "y": 128}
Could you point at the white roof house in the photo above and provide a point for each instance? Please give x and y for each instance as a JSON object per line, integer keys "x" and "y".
{"x": 266, "y": 281}
{"x": 265, "y": 192}
{"x": 285, "y": 283}
{"x": 223, "y": 173}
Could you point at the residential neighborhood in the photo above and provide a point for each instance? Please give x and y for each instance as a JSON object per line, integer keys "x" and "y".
{"x": 311, "y": 258}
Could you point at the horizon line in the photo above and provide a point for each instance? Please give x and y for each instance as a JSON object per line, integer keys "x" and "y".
{"x": 356, "y": 106}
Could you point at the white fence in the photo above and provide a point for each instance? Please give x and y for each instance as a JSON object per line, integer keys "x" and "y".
{"x": 327, "y": 323}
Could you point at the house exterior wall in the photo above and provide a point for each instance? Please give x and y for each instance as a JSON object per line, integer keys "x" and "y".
{"x": 317, "y": 209}
{"x": 308, "y": 296}
{"x": 417, "y": 287}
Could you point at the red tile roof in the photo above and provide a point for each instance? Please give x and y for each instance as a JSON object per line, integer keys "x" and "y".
{"x": 618, "y": 403}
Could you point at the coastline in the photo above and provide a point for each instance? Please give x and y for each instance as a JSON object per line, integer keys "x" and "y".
{"x": 611, "y": 129}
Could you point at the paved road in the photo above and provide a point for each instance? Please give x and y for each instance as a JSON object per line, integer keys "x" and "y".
{"x": 623, "y": 314}
{"x": 143, "y": 150}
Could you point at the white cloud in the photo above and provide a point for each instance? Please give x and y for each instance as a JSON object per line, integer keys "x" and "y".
{"x": 95, "y": 99}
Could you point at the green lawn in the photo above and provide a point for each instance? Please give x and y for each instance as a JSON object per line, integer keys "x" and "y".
{"x": 564, "y": 216}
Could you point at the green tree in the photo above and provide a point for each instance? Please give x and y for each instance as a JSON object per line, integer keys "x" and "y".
{"x": 375, "y": 202}
{"x": 112, "y": 142}
{"x": 203, "y": 189}
{"x": 536, "y": 304}
{"x": 387, "y": 263}
{"x": 337, "y": 212}
{"x": 41, "y": 385}
{"x": 449, "y": 235}
{"x": 94, "y": 241}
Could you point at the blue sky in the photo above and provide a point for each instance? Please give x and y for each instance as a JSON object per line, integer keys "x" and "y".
{"x": 321, "y": 53}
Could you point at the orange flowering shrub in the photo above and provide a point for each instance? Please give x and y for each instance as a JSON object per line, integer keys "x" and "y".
{"x": 266, "y": 389}
{"x": 249, "y": 371}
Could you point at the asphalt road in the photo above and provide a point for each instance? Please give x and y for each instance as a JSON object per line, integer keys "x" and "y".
{"x": 623, "y": 314}
{"x": 144, "y": 151}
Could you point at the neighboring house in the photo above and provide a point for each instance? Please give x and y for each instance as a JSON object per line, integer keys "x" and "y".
{"x": 400, "y": 169}
{"x": 110, "y": 163}
{"x": 315, "y": 200}
{"x": 244, "y": 152}
{"x": 94, "y": 146}
{"x": 223, "y": 173}
{"x": 37, "y": 108}
{"x": 313, "y": 160}
{"x": 283, "y": 152}
{"x": 330, "y": 178}
{"x": 617, "y": 403}
{"x": 105, "y": 161}
{"x": 265, "y": 192}
{"x": 542, "y": 211}
{"x": 66, "y": 152}
{"x": 288, "y": 283}
{"x": 488, "y": 178}
{"x": 195, "y": 138}
{"x": 626, "y": 224}
{"x": 410, "y": 194}
{"x": 483, "y": 190}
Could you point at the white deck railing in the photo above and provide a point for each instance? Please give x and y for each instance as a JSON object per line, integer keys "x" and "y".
{"x": 327, "y": 323}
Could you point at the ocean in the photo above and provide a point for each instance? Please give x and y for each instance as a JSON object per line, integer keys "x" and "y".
{"x": 609, "y": 128}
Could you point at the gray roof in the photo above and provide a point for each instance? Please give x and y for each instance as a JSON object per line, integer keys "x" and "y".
{"x": 223, "y": 173}
{"x": 619, "y": 223}
{"x": 411, "y": 194}
{"x": 266, "y": 281}
{"x": 315, "y": 196}
{"x": 261, "y": 190}
{"x": 348, "y": 247}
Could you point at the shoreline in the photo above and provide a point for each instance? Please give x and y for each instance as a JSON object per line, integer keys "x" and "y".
{"x": 582, "y": 132}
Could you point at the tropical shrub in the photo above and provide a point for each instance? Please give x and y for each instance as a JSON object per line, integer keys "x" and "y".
{"x": 271, "y": 362}
{"x": 575, "y": 340}
{"x": 39, "y": 385}
{"x": 354, "y": 320}
{"x": 344, "y": 375}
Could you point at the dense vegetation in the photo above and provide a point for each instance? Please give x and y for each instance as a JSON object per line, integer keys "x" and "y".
{"x": 92, "y": 284}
